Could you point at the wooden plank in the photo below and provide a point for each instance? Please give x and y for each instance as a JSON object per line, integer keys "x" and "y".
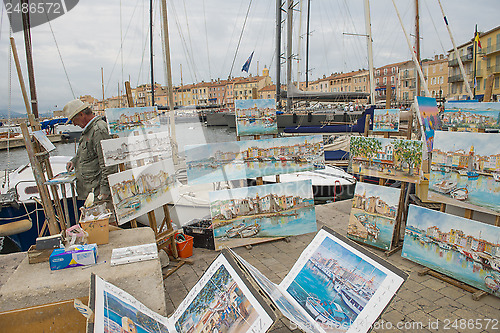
{"x": 128, "y": 91}
{"x": 443, "y": 208}
{"x": 399, "y": 217}
{"x": 497, "y": 221}
{"x": 381, "y": 181}
{"x": 468, "y": 213}
{"x": 367, "y": 125}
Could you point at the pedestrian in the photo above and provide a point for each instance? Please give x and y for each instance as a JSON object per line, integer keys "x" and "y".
{"x": 91, "y": 173}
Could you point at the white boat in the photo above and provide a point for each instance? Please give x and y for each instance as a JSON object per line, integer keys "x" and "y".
{"x": 330, "y": 314}
{"x": 249, "y": 231}
{"x": 460, "y": 193}
{"x": 496, "y": 176}
{"x": 354, "y": 301}
{"x": 445, "y": 186}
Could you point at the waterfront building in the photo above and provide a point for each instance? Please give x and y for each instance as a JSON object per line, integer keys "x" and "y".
{"x": 406, "y": 89}
{"x": 488, "y": 62}
{"x": 243, "y": 87}
{"x": 456, "y": 83}
{"x": 386, "y": 76}
{"x": 436, "y": 76}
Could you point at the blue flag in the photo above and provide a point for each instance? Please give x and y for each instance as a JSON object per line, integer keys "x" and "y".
{"x": 246, "y": 65}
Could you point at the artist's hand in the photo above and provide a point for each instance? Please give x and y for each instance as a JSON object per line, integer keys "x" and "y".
{"x": 70, "y": 166}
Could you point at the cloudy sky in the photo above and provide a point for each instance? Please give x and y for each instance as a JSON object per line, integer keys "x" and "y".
{"x": 204, "y": 39}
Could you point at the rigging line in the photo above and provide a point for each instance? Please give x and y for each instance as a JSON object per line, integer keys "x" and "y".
{"x": 206, "y": 39}
{"x": 241, "y": 35}
{"x": 121, "y": 39}
{"x": 145, "y": 43}
{"x": 60, "y": 57}
{"x": 184, "y": 47}
{"x": 435, "y": 29}
{"x": 233, "y": 32}
{"x": 1, "y": 23}
{"x": 190, "y": 42}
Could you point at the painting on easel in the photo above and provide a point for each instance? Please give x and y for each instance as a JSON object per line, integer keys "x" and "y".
{"x": 373, "y": 215}
{"x": 255, "y": 116}
{"x": 428, "y": 113}
{"x": 126, "y": 121}
{"x": 470, "y": 116}
{"x": 461, "y": 248}
{"x": 386, "y": 120}
{"x": 465, "y": 170}
{"x": 386, "y": 158}
{"x": 138, "y": 191}
{"x": 255, "y": 214}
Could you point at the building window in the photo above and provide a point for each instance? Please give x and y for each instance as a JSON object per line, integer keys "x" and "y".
{"x": 392, "y": 79}
{"x": 378, "y": 81}
{"x": 385, "y": 80}
{"x": 497, "y": 82}
{"x": 385, "y": 71}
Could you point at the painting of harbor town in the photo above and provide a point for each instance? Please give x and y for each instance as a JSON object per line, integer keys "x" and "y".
{"x": 471, "y": 117}
{"x": 340, "y": 287}
{"x": 220, "y": 302}
{"x": 386, "y": 158}
{"x": 463, "y": 249}
{"x": 255, "y": 214}
{"x": 133, "y": 148}
{"x": 138, "y": 191}
{"x": 428, "y": 114}
{"x": 126, "y": 121}
{"x": 255, "y": 116}
{"x": 116, "y": 311}
{"x": 465, "y": 170}
{"x": 386, "y": 120}
{"x": 373, "y": 214}
{"x": 222, "y": 161}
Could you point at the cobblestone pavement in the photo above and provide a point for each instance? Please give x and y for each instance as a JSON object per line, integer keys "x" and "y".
{"x": 423, "y": 304}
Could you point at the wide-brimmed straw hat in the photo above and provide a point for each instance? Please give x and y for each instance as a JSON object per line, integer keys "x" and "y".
{"x": 71, "y": 109}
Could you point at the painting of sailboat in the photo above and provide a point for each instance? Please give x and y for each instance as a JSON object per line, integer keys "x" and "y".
{"x": 463, "y": 169}
{"x": 340, "y": 285}
{"x": 428, "y": 114}
{"x": 125, "y": 121}
{"x": 461, "y": 248}
{"x": 470, "y": 116}
{"x": 386, "y": 120}
{"x": 223, "y": 161}
{"x": 373, "y": 214}
{"x": 255, "y": 214}
{"x": 255, "y": 116}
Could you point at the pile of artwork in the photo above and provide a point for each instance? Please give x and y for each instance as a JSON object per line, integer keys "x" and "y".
{"x": 464, "y": 249}
{"x": 386, "y": 120}
{"x": 255, "y": 116}
{"x": 470, "y": 116}
{"x": 335, "y": 286}
{"x": 373, "y": 215}
{"x": 126, "y": 121}
{"x": 386, "y": 158}
{"x": 255, "y": 214}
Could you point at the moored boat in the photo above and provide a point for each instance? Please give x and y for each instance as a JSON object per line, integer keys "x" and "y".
{"x": 445, "y": 186}
{"x": 473, "y": 175}
{"x": 461, "y": 193}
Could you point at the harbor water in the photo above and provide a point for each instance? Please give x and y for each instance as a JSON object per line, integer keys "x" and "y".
{"x": 386, "y": 227}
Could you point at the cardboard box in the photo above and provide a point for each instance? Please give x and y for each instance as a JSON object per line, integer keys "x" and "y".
{"x": 98, "y": 231}
{"x": 82, "y": 255}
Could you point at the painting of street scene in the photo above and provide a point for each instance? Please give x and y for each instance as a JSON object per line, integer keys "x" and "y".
{"x": 125, "y": 121}
{"x": 465, "y": 170}
{"x": 255, "y": 116}
{"x": 255, "y": 214}
{"x": 386, "y": 158}
{"x": 386, "y": 120}
{"x": 222, "y": 161}
{"x": 461, "y": 248}
{"x": 133, "y": 148}
{"x": 138, "y": 191}
{"x": 117, "y": 312}
{"x": 428, "y": 114}
{"x": 373, "y": 214}
{"x": 340, "y": 287}
{"x": 471, "y": 117}
{"x": 220, "y": 302}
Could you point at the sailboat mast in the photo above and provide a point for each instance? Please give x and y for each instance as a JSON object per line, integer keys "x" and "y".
{"x": 307, "y": 42}
{"x": 151, "y": 51}
{"x": 368, "y": 27}
{"x": 29, "y": 60}
{"x": 417, "y": 42}
{"x": 289, "y": 54}
{"x": 278, "y": 54}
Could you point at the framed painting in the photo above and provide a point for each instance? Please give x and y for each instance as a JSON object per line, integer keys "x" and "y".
{"x": 255, "y": 116}
{"x": 386, "y": 158}
{"x": 341, "y": 286}
{"x": 428, "y": 114}
{"x": 465, "y": 170}
{"x": 223, "y": 161}
{"x": 471, "y": 117}
{"x": 137, "y": 191}
{"x": 256, "y": 214}
{"x": 386, "y": 120}
{"x": 373, "y": 215}
{"x": 464, "y": 249}
{"x": 125, "y": 121}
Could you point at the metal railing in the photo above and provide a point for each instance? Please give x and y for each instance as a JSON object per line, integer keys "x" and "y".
{"x": 455, "y": 78}
{"x": 492, "y": 48}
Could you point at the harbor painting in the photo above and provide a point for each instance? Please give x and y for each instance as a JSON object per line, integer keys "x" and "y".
{"x": 373, "y": 214}
{"x": 256, "y": 214}
{"x": 464, "y": 249}
{"x": 428, "y": 114}
{"x": 125, "y": 121}
{"x": 137, "y": 191}
{"x": 465, "y": 170}
{"x": 133, "y": 148}
{"x": 386, "y": 120}
{"x": 471, "y": 117}
{"x": 386, "y": 158}
{"x": 220, "y": 302}
{"x": 116, "y": 311}
{"x": 223, "y": 161}
{"x": 255, "y": 116}
{"x": 341, "y": 288}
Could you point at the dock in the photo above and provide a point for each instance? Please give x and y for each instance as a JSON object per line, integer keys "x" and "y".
{"x": 18, "y": 141}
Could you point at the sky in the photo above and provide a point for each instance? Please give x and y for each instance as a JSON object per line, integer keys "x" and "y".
{"x": 389, "y": 194}
{"x": 483, "y": 143}
{"x": 212, "y": 39}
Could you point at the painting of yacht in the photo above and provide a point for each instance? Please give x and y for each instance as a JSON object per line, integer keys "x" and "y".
{"x": 464, "y": 249}
{"x": 255, "y": 116}
{"x": 463, "y": 169}
{"x": 325, "y": 312}
{"x": 373, "y": 215}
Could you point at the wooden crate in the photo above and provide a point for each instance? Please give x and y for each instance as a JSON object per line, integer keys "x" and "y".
{"x": 36, "y": 256}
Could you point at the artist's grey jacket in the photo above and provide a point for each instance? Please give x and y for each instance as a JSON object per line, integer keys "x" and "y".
{"x": 89, "y": 161}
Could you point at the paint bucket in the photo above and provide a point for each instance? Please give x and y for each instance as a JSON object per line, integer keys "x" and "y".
{"x": 184, "y": 244}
